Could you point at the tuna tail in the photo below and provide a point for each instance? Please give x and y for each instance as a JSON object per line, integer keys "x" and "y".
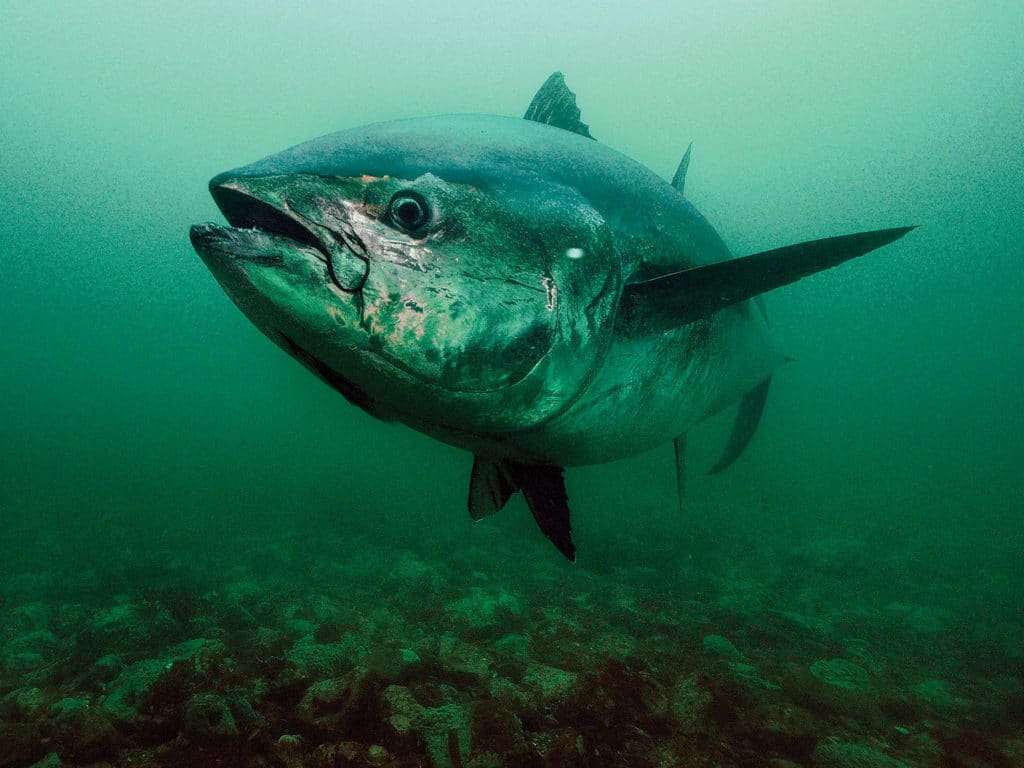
{"x": 493, "y": 482}
{"x": 681, "y": 297}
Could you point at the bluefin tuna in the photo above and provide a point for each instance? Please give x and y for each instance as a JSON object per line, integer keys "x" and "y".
{"x": 509, "y": 286}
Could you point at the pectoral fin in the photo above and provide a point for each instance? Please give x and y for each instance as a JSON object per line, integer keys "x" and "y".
{"x": 493, "y": 483}
{"x": 681, "y": 297}
{"x": 747, "y": 419}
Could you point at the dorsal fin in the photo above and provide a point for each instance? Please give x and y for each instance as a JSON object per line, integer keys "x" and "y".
{"x": 682, "y": 297}
{"x": 679, "y": 180}
{"x": 555, "y": 105}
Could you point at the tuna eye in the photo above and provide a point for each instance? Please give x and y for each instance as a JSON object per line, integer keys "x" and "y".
{"x": 408, "y": 210}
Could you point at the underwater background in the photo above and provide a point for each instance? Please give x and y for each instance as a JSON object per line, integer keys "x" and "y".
{"x": 207, "y": 557}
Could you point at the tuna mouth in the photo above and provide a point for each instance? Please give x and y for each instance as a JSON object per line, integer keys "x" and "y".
{"x": 243, "y": 211}
{"x": 258, "y": 227}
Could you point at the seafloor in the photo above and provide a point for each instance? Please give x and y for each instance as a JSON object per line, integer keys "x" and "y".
{"x": 318, "y": 646}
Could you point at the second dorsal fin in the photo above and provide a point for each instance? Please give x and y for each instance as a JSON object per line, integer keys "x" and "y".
{"x": 679, "y": 180}
{"x": 555, "y": 105}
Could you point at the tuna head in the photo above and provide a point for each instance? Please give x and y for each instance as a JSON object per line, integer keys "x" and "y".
{"x": 469, "y": 305}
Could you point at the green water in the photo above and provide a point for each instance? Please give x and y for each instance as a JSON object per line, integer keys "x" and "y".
{"x": 154, "y": 447}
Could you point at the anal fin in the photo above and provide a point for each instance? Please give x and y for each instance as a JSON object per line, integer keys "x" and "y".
{"x": 489, "y": 488}
{"x": 494, "y": 481}
{"x": 747, "y": 419}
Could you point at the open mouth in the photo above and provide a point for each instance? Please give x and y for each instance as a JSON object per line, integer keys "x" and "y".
{"x": 244, "y": 211}
{"x": 257, "y": 229}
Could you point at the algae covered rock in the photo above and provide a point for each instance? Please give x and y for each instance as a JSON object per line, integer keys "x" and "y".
{"x": 721, "y": 647}
{"x": 839, "y": 754}
{"x": 85, "y": 733}
{"x": 937, "y": 696}
{"x": 497, "y": 735}
{"x": 688, "y": 703}
{"x": 208, "y": 718}
{"x": 842, "y": 674}
{"x": 462, "y": 657}
{"x": 126, "y": 628}
{"x": 351, "y": 705}
{"x": 392, "y": 664}
{"x": 22, "y": 704}
{"x": 151, "y": 684}
{"x": 52, "y": 760}
{"x": 548, "y": 685}
{"x": 483, "y": 610}
{"x": 443, "y": 729}
{"x": 317, "y": 660}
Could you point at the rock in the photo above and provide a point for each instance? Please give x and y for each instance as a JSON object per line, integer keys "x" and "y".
{"x": 208, "y": 719}
{"x": 84, "y": 733}
{"x": 443, "y": 729}
{"x": 842, "y": 674}
{"x": 103, "y": 670}
{"x": 160, "y": 683}
{"x": 787, "y": 731}
{"x": 299, "y": 627}
{"x": 721, "y": 647}
{"x": 395, "y": 665}
{"x": 839, "y": 754}
{"x": 52, "y": 760}
{"x": 615, "y": 645}
{"x": 497, "y": 734}
{"x": 401, "y": 708}
{"x": 41, "y": 641}
{"x": 66, "y": 708}
{"x": 350, "y": 705}
{"x": 615, "y": 696}
{"x": 514, "y": 647}
{"x": 247, "y": 593}
{"x": 126, "y": 628}
{"x": 936, "y": 696}
{"x": 317, "y": 661}
{"x": 797, "y": 621}
{"x": 485, "y": 610}
{"x": 459, "y": 656}
{"x": 349, "y": 754}
{"x": 22, "y": 704}
{"x": 22, "y": 744}
{"x": 548, "y": 685}
{"x": 747, "y": 674}
{"x": 688, "y": 704}
{"x": 130, "y": 690}
{"x": 409, "y": 568}
{"x": 838, "y": 686}
{"x": 922, "y": 619}
{"x": 23, "y": 665}
{"x": 508, "y": 693}
{"x": 29, "y": 617}
{"x": 289, "y": 749}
